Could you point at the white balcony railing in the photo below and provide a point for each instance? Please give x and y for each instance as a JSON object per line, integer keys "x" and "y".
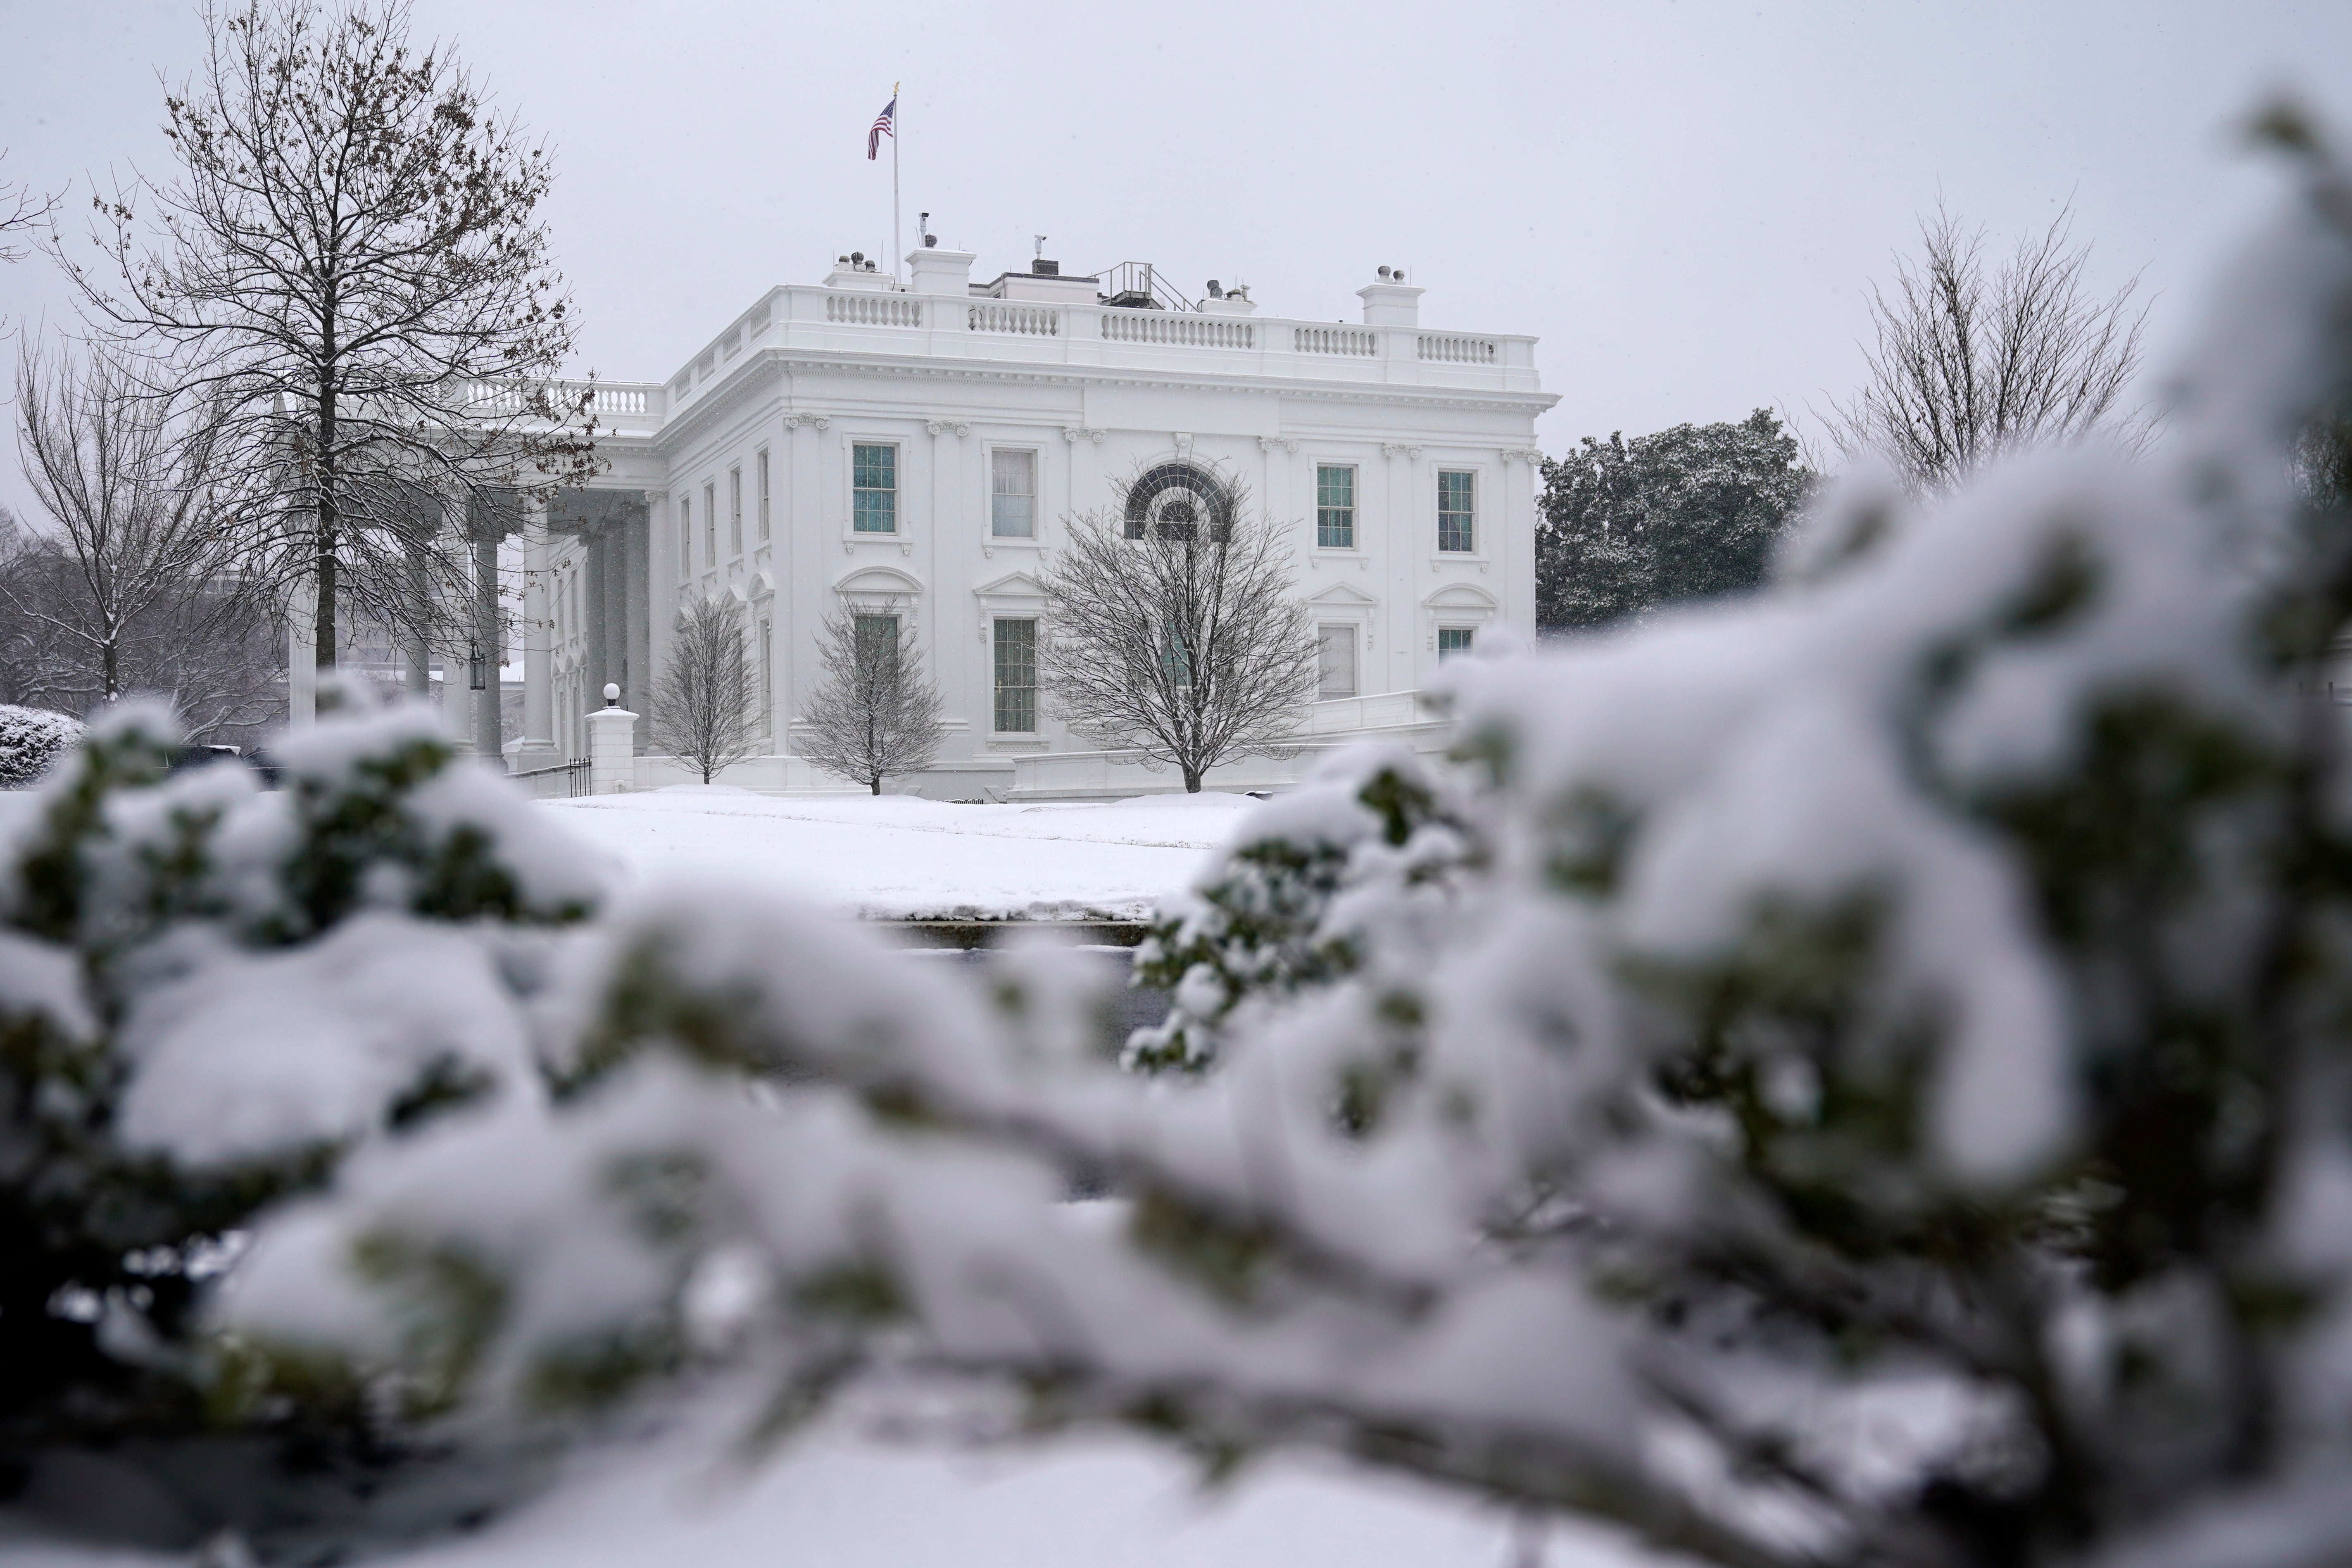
{"x": 605, "y": 401}
{"x": 874, "y": 310}
{"x": 1022, "y": 320}
{"x": 1080, "y": 332}
{"x": 1455, "y": 350}
{"x": 1354, "y": 340}
{"x": 1183, "y": 331}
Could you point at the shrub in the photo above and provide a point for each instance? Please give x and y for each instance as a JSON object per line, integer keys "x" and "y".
{"x": 31, "y": 741}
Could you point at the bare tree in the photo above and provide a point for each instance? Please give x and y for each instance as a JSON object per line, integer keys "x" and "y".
{"x": 350, "y": 260}
{"x": 702, "y": 705}
{"x": 131, "y": 492}
{"x": 22, "y": 211}
{"x": 875, "y": 713}
{"x": 1172, "y": 628}
{"x": 1968, "y": 363}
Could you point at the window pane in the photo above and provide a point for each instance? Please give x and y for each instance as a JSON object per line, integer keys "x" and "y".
{"x": 1455, "y": 512}
{"x": 877, "y": 642}
{"x": 734, "y": 511}
{"x": 1013, "y": 495}
{"x": 1453, "y": 640}
{"x": 763, "y": 495}
{"x": 1334, "y": 508}
{"x": 1335, "y": 665}
{"x": 686, "y": 536}
{"x": 1016, "y": 676}
{"x": 710, "y": 526}
{"x": 874, "y": 477}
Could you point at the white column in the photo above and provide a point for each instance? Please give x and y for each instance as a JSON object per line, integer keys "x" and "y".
{"x": 611, "y": 747}
{"x": 538, "y": 637}
{"x": 302, "y": 657}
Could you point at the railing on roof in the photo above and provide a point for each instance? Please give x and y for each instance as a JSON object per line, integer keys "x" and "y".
{"x": 874, "y": 310}
{"x": 1449, "y": 348}
{"x": 1359, "y": 341}
{"x": 514, "y": 397}
{"x": 1022, "y": 320}
{"x": 1134, "y": 283}
{"x": 1185, "y": 332}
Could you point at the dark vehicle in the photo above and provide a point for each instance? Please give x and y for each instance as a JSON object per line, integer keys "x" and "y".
{"x": 185, "y": 757}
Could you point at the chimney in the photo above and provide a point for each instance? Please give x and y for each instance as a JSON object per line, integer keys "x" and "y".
{"x": 936, "y": 271}
{"x": 1389, "y": 303}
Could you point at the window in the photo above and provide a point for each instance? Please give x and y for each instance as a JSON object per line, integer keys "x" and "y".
{"x": 1335, "y": 507}
{"x": 874, "y": 480}
{"x": 763, "y": 493}
{"x": 1175, "y": 658}
{"x": 1452, "y": 640}
{"x": 686, "y": 536}
{"x": 710, "y": 526}
{"x": 735, "y": 511}
{"x": 877, "y": 642}
{"x": 1013, "y": 495}
{"x": 1016, "y": 677}
{"x": 1456, "y": 512}
{"x": 1335, "y": 662}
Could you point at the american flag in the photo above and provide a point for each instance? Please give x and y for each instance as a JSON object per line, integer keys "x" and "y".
{"x": 885, "y": 124}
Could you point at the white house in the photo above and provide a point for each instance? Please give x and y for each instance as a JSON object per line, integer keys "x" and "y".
{"x": 916, "y": 451}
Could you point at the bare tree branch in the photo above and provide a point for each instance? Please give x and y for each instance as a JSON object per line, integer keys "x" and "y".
{"x": 350, "y": 261}
{"x": 1967, "y": 363}
{"x": 702, "y": 704}
{"x": 1172, "y": 632}
{"x": 875, "y": 713}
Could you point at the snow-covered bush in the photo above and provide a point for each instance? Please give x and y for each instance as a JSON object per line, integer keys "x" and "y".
{"x": 1865, "y": 1079}
{"x": 1373, "y": 839}
{"x": 209, "y": 995}
{"x": 31, "y": 741}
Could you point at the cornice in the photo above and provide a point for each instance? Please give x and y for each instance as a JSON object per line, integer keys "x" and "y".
{"x": 764, "y": 365}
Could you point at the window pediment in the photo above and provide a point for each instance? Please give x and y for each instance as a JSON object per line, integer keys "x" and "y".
{"x": 1340, "y": 596}
{"x": 886, "y": 581}
{"x": 1461, "y": 596}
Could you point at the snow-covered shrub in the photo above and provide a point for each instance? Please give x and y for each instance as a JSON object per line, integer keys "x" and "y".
{"x": 1868, "y": 1079}
{"x": 209, "y": 995}
{"x": 1374, "y": 838}
{"x": 31, "y": 741}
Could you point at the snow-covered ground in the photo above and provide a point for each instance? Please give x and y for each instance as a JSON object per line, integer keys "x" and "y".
{"x": 898, "y": 857}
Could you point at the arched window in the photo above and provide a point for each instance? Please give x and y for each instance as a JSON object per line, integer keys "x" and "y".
{"x": 1176, "y": 500}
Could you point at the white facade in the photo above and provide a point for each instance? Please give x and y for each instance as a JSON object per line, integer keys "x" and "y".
{"x": 856, "y": 446}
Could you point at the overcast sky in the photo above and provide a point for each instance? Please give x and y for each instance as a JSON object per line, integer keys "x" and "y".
{"x": 1684, "y": 201}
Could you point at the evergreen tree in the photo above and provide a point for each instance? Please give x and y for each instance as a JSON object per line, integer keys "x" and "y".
{"x": 1688, "y": 513}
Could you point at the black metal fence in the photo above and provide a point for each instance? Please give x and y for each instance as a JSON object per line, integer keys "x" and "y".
{"x": 560, "y": 782}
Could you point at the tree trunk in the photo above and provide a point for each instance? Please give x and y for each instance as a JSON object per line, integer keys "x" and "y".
{"x": 877, "y": 785}
{"x": 324, "y": 543}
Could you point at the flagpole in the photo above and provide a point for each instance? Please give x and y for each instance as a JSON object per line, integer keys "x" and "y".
{"x": 898, "y": 129}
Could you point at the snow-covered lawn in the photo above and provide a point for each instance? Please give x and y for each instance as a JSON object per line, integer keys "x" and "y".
{"x": 897, "y": 857}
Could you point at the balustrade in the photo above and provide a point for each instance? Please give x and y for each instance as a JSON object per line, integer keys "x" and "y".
{"x": 1022, "y": 320}
{"x": 511, "y": 397}
{"x": 874, "y": 310}
{"x": 1353, "y": 341}
{"x": 1185, "y": 332}
{"x": 1454, "y": 350}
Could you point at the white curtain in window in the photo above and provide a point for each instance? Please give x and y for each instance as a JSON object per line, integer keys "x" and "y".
{"x": 1335, "y": 667}
{"x": 1013, "y": 495}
